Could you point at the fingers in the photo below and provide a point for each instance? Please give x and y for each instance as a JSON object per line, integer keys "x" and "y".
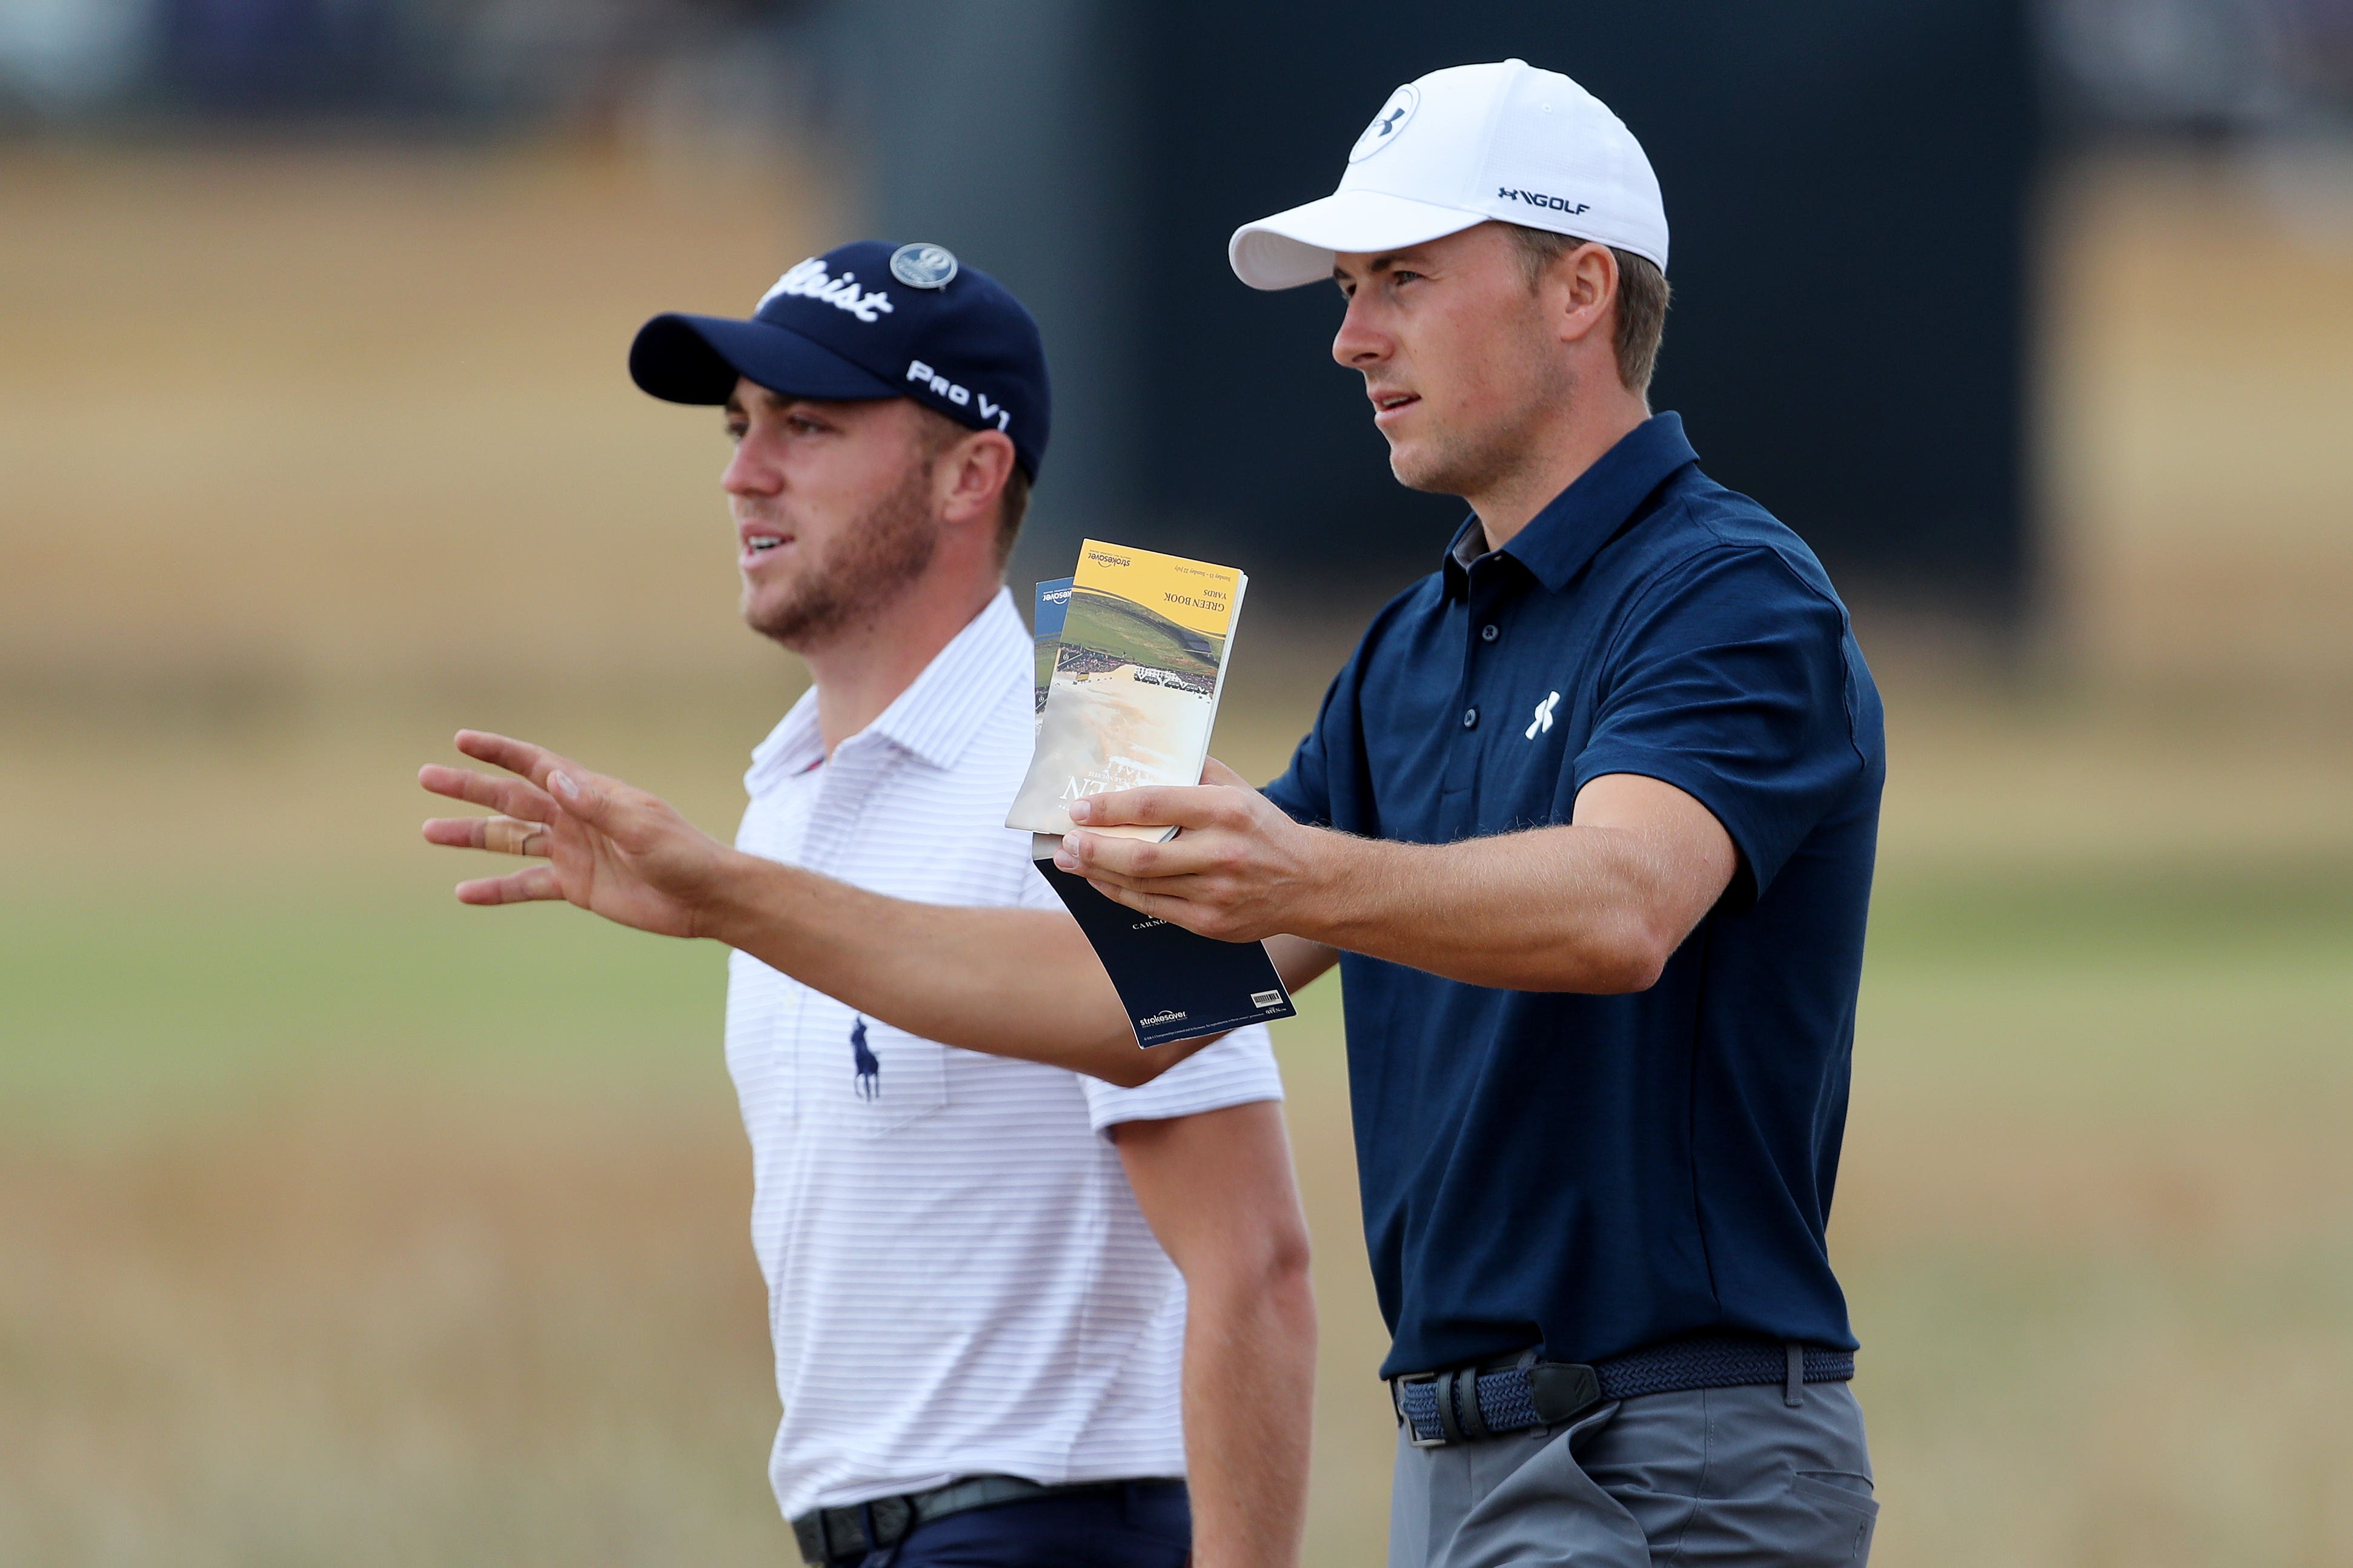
{"x": 1098, "y": 853}
{"x": 511, "y": 797}
{"x": 1173, "y": 911}
{"x": 533, "y": 762}
{"x": 506, "y": 836}
{"x": 587, "y": 795}
{"x": 1155, "y": 807}
{"x": 499, "y": 835}
{"x": 1200, "y": 917}
{"x": 537, "y": 885}
{"x": 521, "y": 828}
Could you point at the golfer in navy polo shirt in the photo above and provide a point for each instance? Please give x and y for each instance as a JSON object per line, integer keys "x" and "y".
{"x": 1587, "y": 824}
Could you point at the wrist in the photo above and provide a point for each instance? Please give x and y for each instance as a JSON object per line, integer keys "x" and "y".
{"x": 1322, "y": 902}
{"x": 728, "y": 911}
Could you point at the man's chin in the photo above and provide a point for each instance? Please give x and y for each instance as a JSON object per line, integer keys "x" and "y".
{"x": 1418, "y": 469}
{"x": 782, "y": 619}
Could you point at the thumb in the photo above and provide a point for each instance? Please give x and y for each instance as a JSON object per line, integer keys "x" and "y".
{"x": 1214, "y": 772}
{"x": 582, "y": 796}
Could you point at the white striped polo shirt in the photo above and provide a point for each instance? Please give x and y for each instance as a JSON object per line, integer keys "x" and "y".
{"x": 959, "y": 1280}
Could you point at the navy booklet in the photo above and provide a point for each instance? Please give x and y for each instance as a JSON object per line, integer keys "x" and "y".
{"x": 1108, "y": 665}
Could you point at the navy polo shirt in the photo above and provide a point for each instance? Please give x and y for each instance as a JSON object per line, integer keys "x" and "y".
{"x": 1592, "y": 1174}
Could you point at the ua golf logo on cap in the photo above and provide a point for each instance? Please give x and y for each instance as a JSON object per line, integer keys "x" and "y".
{"x": 923, "y": 266}
{"x": 1395, "y": 115}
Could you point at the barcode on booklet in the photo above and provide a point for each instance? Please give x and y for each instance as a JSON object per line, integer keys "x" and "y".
{"x": 1266, "y": 998}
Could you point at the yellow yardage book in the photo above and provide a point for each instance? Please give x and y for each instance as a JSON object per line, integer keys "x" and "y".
{"x": 1133, "y": 693}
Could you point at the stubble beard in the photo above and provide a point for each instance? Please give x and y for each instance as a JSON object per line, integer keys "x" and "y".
{"x": 1466, "y": 459}
{"x": 869, "y": 564}
{"x": 1451, "y": 463}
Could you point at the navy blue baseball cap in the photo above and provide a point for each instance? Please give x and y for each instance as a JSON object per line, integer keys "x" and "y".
{"x": 869, "y": 320}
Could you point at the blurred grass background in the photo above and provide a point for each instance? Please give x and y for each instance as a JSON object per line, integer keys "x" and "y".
{"x": 341, "y": 1225}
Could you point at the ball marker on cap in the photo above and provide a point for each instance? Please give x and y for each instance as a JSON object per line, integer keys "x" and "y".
{"x": 923, "y": 266}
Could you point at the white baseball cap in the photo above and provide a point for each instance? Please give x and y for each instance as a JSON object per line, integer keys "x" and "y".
{"x": 1456, "y": 147}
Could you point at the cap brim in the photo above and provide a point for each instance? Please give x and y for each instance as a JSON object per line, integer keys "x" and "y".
{"x": 1298, "y": 246}
{"x": 697, "y": 359}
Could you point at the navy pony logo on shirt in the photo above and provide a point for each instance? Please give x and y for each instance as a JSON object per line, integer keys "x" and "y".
{"x": 867, "y": 1070}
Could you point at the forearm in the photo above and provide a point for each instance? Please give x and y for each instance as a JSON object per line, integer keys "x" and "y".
{"x": 1249, "y": 1386}
{"x": 1008, "y": 981}
{"x": 1598, "y": 905}
{"x": 1553, "y": 908}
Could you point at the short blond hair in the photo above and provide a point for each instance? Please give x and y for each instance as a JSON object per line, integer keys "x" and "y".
{"x": 1642, "y": 295}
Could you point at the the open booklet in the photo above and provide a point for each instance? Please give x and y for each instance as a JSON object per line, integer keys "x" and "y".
{"x": 1175, "y": 983}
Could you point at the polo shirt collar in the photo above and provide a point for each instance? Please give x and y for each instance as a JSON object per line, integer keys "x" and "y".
{"x": 1559, "y": 540}
{"x": 794, "y": 746}
{"x": 934, "y": 720}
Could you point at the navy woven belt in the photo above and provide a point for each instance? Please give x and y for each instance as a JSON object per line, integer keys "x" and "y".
{"x": 1469, "y": 1403}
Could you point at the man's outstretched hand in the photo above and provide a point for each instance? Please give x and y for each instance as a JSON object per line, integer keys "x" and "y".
{"x": 616, "y": 851}
{"x": 1010, "y": 982}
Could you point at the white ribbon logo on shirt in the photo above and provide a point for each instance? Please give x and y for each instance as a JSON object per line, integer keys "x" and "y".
{"x": 1544, "y": 715}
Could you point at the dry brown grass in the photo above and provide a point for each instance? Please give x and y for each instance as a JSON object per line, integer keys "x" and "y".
{"x": 377, "y": 1324}
{"x": 277, "y": 419}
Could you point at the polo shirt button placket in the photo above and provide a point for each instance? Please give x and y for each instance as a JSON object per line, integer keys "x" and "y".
{"x": 850, "y": 782}
{"x": 1490, "y": 632}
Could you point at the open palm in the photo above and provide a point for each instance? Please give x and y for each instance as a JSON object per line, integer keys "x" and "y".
{"x": 616, "y": 851}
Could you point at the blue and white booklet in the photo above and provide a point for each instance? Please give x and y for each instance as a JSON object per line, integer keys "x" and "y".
{"x": 1176, "y": 983}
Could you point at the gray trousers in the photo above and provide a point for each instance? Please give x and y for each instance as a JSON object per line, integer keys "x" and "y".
{"x": 1716, "y": 1476}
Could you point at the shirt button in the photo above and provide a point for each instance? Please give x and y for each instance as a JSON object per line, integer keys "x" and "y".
{"x": 1489, "y": 632}
{"x": 1470, "y": 718}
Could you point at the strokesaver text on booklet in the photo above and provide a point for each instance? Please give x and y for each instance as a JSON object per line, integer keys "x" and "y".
{"x": 1176, "y": 984}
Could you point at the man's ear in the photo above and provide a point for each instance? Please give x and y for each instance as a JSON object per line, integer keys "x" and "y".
{"x": 972, "y": 474}
{"x": 1584, "y": 284}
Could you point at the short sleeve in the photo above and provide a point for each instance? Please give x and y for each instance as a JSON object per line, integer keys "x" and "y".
{"x": 1237, "y": 1070}
{"x": 1729, "y": 682}
{"x": 1304, "y": 792}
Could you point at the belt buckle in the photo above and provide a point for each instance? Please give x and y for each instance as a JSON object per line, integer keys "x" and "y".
{"x": 1412, "y": 1432}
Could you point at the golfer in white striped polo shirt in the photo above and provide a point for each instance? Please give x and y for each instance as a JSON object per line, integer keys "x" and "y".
{"x": 992, "y": 1282}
